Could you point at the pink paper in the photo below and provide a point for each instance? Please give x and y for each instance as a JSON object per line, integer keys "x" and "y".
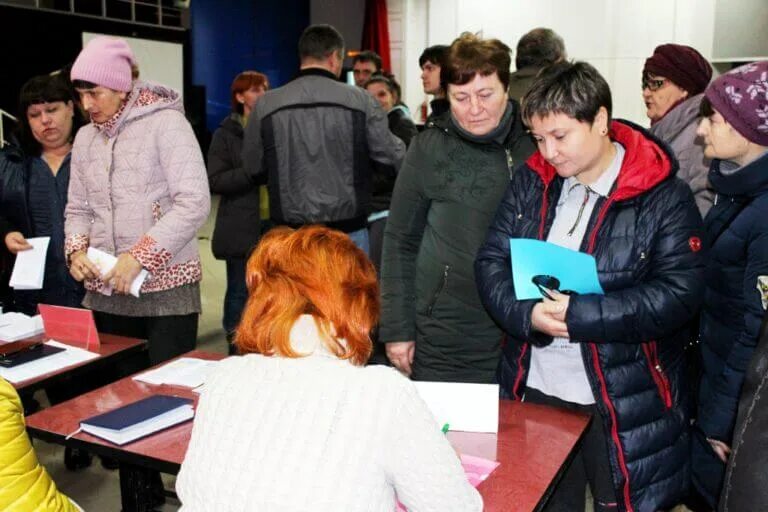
{"x": 477, "y": 470}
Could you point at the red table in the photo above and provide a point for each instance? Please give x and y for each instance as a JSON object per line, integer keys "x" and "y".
{"x": 112, "y": 348}
{"x": 533, "y": 444}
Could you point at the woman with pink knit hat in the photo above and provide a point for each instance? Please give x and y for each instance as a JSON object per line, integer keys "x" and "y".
{"x": 138, "y": 191}
{"x": 734, "y": 127}
{"x": 674, "y": 79}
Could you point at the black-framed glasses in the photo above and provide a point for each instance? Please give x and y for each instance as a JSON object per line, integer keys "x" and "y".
{"x": 546, "y": 283}
{"x": 654, "y": 84}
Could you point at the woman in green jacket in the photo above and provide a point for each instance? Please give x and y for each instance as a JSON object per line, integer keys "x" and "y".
{"x": 446, "y": 194}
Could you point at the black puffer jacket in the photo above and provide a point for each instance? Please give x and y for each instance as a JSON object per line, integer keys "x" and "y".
{"x": 237, "y": 221}
{"x": 646, "y": 238}
{"x": 737, "y": 229}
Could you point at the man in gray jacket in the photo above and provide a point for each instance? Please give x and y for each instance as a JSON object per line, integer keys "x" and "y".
{"x": 314, "y": 138}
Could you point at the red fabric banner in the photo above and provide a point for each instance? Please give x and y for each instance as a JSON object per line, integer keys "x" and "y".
{"x": 376, "y": 31}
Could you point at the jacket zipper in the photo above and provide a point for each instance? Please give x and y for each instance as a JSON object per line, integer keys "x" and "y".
{"x": 657, "y": 372}
{"x": 439, "y": 290}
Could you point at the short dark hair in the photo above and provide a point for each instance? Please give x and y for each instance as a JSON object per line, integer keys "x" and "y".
{"x": 705, "y": 108}
{"x": 470, "y": 55}
{"x": 368, "y": 56}
{"x": 540, "y": 47}
{"x": 319, "y": 41}
{"x": 575, "y": 89}
{"x": 83, "y": 84}
{"x": 44, "y": 89}
{"x": 436, "y": 54}
{"x": 378, "y": 78}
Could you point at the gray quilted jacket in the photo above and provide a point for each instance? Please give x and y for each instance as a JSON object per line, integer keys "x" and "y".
{"x": 678, "y": 129}
{"x": 140, "y": 186}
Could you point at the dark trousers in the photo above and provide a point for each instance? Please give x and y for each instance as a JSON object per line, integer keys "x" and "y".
{"x": 376, "y": 241}
{"x": 167, "y": 336}
{"x": 590, "y": 465}
{"x": 236, "y": 294}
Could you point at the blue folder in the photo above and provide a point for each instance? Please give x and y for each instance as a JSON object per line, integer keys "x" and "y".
{"x": 576, "y": 271}
{"x": 137, "y": 412}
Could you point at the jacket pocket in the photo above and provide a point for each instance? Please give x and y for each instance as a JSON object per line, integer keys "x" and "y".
{"x": 657, "y": 373}
{"x": 439, "y": 290}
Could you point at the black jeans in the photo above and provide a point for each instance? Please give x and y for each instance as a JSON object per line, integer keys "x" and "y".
{"x": 167, "y": 336}
{"x": 590, "y": 465}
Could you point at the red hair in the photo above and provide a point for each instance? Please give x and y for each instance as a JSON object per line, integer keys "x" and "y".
{"x": 242, "y": 83}
{"x": 312, "y": 270}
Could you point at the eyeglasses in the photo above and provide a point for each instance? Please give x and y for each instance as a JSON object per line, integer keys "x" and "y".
{"x": 547, "y": 284}
{"x": 654, "y": 84}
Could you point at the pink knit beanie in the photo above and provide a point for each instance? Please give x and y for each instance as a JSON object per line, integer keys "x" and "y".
{"x": 105, "y": 61}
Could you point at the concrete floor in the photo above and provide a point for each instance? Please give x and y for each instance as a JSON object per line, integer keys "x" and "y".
{"x": 97, "y": 489}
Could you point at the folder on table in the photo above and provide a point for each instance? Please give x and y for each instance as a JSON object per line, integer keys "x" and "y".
{"x": 576, "y": 271}
{"x": 139, "y": 419}
{"x": 18, "y": 353}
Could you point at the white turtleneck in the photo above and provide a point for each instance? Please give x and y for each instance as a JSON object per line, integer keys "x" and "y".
{"x": 317, "y": 433}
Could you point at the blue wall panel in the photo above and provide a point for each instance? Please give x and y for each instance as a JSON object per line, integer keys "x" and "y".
{"x": 229, "y": 36}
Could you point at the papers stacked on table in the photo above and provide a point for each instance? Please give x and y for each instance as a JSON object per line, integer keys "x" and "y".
{"x": 17, "y": 326}
{"x": 139, "y": 419}
{"x": 68, "y": 357}
{"x": 188, "y": 372}
{"x": 29, "y": 269}
{"x": 105, "y": 262}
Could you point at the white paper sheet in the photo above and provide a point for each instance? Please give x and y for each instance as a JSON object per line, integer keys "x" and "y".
{"x": 69, "y": 357}
{"x": 17, "y": 326}
{"x": 189, "y": 372}
{"x": 105, "y": 262}
{"x": 29, "y": 269}
{"x": 465, "y": 407}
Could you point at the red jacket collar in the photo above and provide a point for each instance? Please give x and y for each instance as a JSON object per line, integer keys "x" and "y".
{"x": 645, "y": 164}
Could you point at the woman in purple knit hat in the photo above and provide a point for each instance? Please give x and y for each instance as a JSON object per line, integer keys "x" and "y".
{"x": 734, "y": 127}
{"x": 674, "y": 79}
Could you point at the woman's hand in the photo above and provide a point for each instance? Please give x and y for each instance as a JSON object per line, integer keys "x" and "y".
{"x": 400, "y": 354}
{"x": 15, "y": 242}
{"x": 721, "y": 449}
{"x": 81, "y": 268}
{"x": 123, "y": 273}
{"x": 548, "y": 316}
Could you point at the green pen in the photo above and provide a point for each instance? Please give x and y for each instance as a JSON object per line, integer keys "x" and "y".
{"x": 446, "y": 427}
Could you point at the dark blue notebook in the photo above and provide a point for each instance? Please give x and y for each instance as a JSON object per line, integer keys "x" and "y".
{"x": 137, "y": 412}
{"x": 28, "y": 354}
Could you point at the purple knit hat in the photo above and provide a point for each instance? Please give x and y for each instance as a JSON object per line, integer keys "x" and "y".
{"x": 741, "y": 97}
{"x": 105, "y": 61}
{"x": 681, "y": 64}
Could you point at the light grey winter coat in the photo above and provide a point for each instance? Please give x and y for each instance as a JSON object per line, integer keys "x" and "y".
{"x": 678, "y": 129}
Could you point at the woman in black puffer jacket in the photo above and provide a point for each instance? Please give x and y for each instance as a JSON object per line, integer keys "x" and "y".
{"x": 238, "y": 225}
{"x": 607, "y": 189}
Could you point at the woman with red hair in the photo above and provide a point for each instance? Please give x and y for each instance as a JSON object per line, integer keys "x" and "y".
{"x": 243, "y": 205}
{"x": 298, "y": 423}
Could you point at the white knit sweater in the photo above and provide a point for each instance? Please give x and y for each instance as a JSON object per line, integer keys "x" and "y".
{"x": 317, "y": 433}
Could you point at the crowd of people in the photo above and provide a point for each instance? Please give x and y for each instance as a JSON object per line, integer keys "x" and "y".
{"x": 346, "y": 228}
